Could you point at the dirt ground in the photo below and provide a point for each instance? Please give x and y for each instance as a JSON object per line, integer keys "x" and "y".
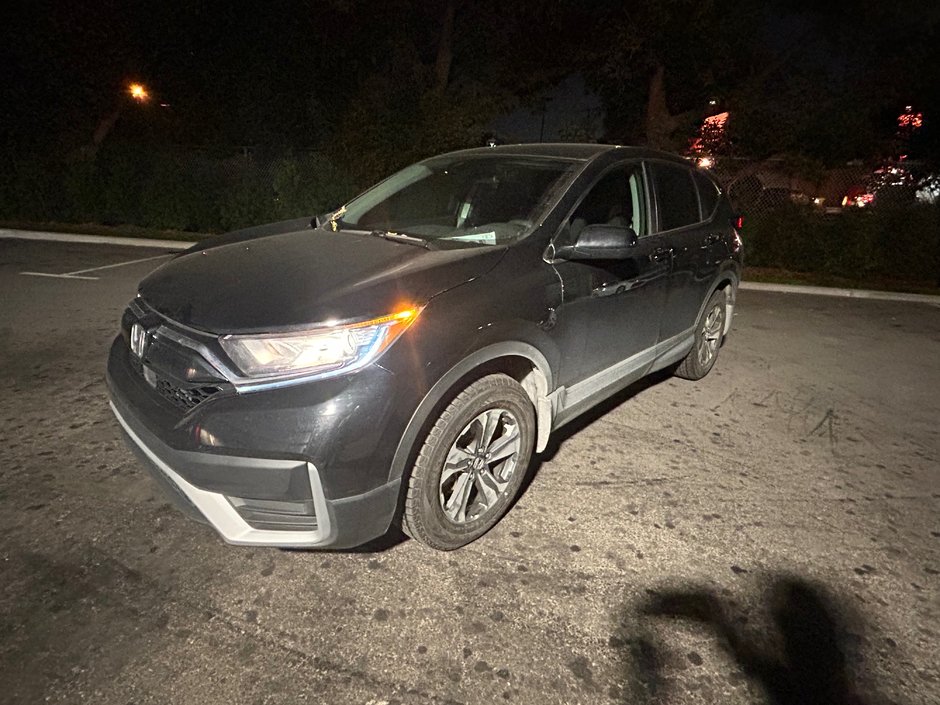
{"x": 769, "y": 534}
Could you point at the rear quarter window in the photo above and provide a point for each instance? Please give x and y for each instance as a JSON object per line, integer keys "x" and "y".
{"x": 675, "y": 195}
{"x": 708, "y": 194}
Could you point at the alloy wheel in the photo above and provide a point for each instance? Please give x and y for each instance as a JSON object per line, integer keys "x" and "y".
{"x": 479, "y": 466}
{"x": 711, "y": 335}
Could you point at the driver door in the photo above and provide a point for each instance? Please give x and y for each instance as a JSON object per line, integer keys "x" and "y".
{"x": 609, "y": 320}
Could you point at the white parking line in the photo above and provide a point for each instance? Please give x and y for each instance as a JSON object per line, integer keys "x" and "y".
{"x": 119, "y": 264}
{"x": 56, "y": 276}
{"x": 77, "y": 274}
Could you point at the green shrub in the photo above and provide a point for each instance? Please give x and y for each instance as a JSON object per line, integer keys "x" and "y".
{"x": 81, "y": 192}
{"x": 247, "y": 199}
{"x": 188, "y": 190}
{"x": 893, "y": 242}
{"x": 170, "y": 196}
{"x": 121, "y": 171}
{"x": 308, "y": 185}
{"x": 30, "y": 189}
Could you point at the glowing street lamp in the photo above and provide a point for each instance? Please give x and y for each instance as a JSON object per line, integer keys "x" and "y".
{"x": 138, "y": 92}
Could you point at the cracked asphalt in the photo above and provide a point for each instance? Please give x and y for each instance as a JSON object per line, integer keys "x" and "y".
{"x": 767, "y": 535}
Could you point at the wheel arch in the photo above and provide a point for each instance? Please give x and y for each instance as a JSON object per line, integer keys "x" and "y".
{"x": 727, "y": 279}
{"x": 521, "y": 361}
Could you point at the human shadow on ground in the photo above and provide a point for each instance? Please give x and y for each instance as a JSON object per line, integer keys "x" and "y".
{"x": 801, "y": 659}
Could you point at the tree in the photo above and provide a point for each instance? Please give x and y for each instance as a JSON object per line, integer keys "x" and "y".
{"x": 795, "y": 76}
{"x": 438, "y": 77}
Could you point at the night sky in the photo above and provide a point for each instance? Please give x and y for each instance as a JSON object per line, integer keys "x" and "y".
{"x": 292, "y": 73}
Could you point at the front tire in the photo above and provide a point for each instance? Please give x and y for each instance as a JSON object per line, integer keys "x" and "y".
{"x": 709, "y": 331}
{"x": 471, "y": 464}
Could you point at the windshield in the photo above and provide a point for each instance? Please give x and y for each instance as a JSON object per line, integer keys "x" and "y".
{"x": 482, "y": 200}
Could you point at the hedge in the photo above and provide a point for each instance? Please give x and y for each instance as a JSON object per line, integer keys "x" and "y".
{"x": 199, "y": 192}
{"x": 168, "y": 189}
{"x": 897, "y": 242}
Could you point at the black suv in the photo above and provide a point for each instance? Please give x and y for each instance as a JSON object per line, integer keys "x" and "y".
{"x": 309, "y": 383}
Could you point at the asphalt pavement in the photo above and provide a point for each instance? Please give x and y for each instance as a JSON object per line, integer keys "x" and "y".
{"x": 769, "y": 534}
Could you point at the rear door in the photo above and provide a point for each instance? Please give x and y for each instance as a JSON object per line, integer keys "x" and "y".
{"x": 679, "y": 221}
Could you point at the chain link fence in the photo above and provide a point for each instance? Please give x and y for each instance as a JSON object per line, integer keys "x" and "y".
{"x": 758, "y": 188}
{"x": 859, "y": 222}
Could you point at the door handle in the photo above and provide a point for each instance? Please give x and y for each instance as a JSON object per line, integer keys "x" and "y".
{"x": 660, "y": 254}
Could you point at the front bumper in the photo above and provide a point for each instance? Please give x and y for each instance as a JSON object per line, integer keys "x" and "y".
{"x": 299, "y": 465}
{"x": 303, "y": 466}
{"x": 342, "y": 523}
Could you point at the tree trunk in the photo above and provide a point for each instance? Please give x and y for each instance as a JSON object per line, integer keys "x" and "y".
{"x": 445, "y": 49}
{"x": 660, "y": 124}
{"x": 101, "y": 132}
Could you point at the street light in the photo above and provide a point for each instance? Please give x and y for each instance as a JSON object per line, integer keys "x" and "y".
{"x": 138, "y": 92}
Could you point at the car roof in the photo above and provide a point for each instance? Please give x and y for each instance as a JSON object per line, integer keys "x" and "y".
{"x": 578, "y": 151}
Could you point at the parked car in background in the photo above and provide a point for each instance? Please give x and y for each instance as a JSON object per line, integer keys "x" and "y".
{"x": 401, "y": 359}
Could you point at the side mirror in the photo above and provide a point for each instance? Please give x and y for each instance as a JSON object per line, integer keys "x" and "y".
{"x": 600, "y": 242}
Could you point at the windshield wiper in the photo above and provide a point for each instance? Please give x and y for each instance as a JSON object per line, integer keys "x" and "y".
{"x": 401, "y": 237}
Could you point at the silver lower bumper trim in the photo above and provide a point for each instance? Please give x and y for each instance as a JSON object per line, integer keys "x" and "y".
{"x": 223, "y": 517}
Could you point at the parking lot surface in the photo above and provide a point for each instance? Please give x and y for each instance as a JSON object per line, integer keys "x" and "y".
{"x": 769, "y": 534}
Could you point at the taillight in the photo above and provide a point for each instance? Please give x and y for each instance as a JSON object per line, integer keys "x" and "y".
{"x": 737, "y": 222}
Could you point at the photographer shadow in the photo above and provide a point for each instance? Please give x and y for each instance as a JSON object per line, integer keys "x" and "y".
{"x": 803, "y": 663}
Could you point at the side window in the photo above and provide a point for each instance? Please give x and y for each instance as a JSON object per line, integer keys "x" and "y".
{"x": 617, "y": 199}
{"x": 707, "y": 194}
{"x": 675, "y": 196}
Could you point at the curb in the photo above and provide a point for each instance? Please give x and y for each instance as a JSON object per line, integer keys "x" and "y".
{"x": 6, "y": 233}
{"x": 842, "y": 293}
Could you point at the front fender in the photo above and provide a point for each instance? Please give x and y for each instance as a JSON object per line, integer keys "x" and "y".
{"x": 543, "y": 383}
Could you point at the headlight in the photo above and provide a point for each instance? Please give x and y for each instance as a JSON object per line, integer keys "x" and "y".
{"x": 324, "y": 350}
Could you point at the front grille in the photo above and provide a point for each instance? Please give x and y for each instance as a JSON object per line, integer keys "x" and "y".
{"x": 185, "y": 398}
{"x": 182, "y": 396}
{"x": 175, "y": 370}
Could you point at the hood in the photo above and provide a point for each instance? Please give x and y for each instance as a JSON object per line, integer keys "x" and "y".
{"x": 255, "y": 231}
{"x": 295, "y": 279}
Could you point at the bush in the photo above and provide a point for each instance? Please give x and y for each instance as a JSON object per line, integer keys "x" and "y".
{"x": 892, "y": 242}
{"x": 308, "y": 185}
{"x": 80, "y": 187}
{"x": 247, "y": 199}
{"x": 164, "y": 197}
{"x": 170, "y": 188}
{"x": 30, "y": 189}
{"x": 120, "y": 172}
{"x": 190, "y": 190}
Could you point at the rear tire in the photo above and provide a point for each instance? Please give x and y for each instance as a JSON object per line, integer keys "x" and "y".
{"x": 471, "y": 464}
{"x": 709, "y": 331}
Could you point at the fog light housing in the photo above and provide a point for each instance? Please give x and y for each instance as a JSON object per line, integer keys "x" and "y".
{"x": 276, "y": 515}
